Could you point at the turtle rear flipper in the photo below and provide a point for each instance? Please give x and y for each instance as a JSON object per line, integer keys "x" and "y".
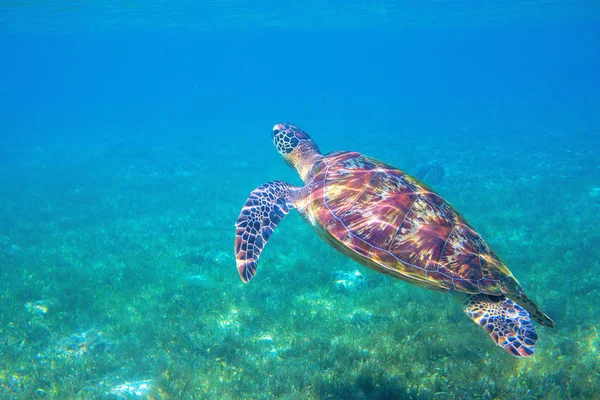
{"x": 265, "y": 208}
{"x": 507, "y": 323}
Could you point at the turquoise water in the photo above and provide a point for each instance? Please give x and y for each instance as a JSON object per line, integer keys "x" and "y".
{"x": 131, "y": 136}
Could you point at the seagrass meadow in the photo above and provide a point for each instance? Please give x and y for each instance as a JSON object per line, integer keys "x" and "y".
{"x": 131, "y": 135}
{"x": 119, "y": 281}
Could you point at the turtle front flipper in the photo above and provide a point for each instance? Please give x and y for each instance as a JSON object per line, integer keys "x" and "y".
{"x": 507, "y": 323}
{"x": 264, "y": 209}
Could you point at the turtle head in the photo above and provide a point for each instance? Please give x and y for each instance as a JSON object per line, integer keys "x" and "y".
{"x": 297, "y": 148}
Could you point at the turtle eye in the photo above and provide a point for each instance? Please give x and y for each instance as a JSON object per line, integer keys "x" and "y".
{"x": 276, "y": 131}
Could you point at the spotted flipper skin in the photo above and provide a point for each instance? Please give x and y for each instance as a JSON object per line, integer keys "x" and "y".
{"x": 507, "y": 323}
{"x": 265, "y": 208}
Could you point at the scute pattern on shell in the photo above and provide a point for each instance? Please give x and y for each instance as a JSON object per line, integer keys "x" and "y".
{"x": 404, "y": 227}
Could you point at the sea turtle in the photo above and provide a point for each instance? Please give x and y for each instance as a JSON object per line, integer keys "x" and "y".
{"x": 389, "y": 221}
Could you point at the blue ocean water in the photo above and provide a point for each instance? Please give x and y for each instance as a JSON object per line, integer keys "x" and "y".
{"x": 131, "y": 136}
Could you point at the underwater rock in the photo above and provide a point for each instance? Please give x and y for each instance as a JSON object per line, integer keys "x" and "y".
{"x": 361, "y": 317}
{"x": 82, "y": 344}
{"x": 431, "y": 173}
{"x": 196, "y": 280}
{"x": 266, "y": 338}
{"x": 229, "y": 323}
{"x": 350, "y": 281}
{"x": 269, "y": 343}
{"x": 13, "y": 249}
{"x": 221, "y": 257}
{"x": 194, "y": 258}
{"x": 130, "y": 390}
{"x": 201, "y": 257}
{"x": 39, "y": 308}
{"x": 13, "y": 385}
{"x": 563, "y": 163}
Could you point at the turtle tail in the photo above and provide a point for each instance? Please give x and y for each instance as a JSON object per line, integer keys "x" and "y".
{"x": 266, "y": 206}
{"x": 534, "y": 311}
